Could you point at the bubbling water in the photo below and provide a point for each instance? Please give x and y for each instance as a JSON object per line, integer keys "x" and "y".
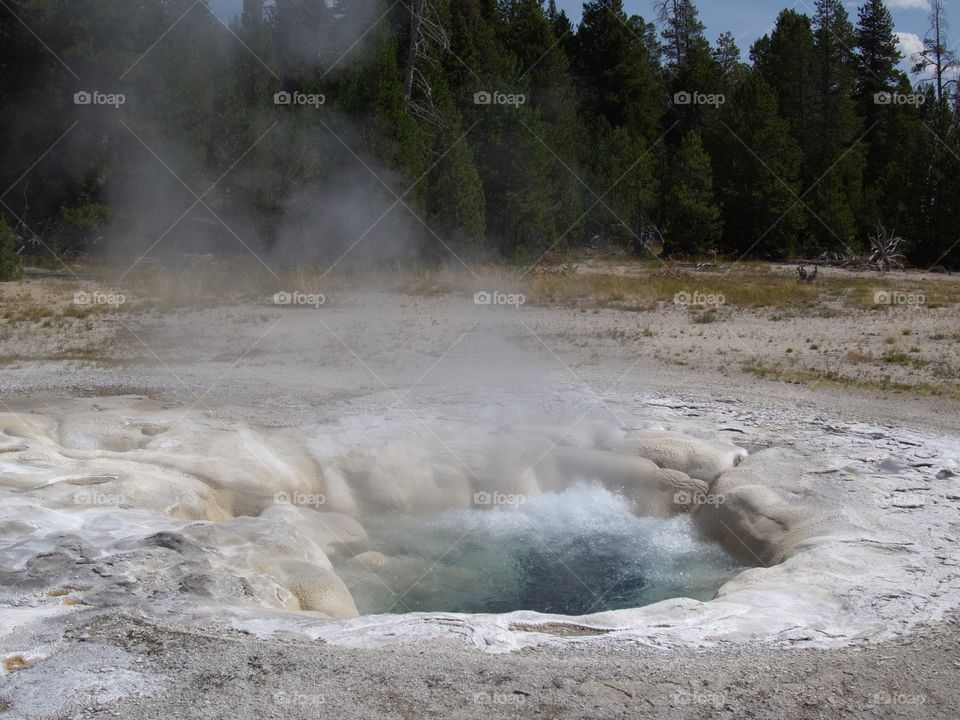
{"x": 575, "y": 552}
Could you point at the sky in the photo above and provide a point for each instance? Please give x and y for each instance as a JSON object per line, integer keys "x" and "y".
{"x": 751, "y": 19}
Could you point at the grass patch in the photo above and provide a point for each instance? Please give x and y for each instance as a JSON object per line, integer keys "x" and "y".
{"x": 904, "y": 359}
{"x": 704, "y": 317}
{"x": 754, "y": 290}
{"x": 813, "y": 377}
{"x": 28, "y": 313}
{"x": 896, "y": 358}
{"x": 622, "y": 285}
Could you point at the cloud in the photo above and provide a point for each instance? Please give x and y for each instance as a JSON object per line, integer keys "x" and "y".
{"x": 909, "y": 5}
{"x": 909, "y": 43}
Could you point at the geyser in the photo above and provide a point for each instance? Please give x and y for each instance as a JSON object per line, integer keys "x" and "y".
{"x": 369, "y": 533}
{"x": 576, "y": 552}
{"x": 130, "y": 500}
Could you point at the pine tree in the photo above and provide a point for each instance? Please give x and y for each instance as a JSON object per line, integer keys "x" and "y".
{"x": 529, "y": 35}
{"x": 513, "y": 159}
{"x": 878, "y": 55}
{"x": 699, "y": 73}
{"x": 682, "y": 29}
{"x": 624, "y": 179}
{"x": 454, "y": 196}
{"x": 886, "y": 123}
{"x": 622, "y": 101}
{"x": 785, "y": 59}
{"x": 371, "y": 90}
{"x": 562, "y": 28}
{"x": 612, "y": 63}
{"x": 691, "y": 220}
{"x": 757, "y": 173}
{"x": 932, "y": 194}
{"x": 692, "y": 64}
{"x": 726, "y": 54}
{"x": 835, "y": 166}
{"x": 834, "y": 66}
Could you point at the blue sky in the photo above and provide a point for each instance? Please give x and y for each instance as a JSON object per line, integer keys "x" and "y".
{"x": 749, "y": 19}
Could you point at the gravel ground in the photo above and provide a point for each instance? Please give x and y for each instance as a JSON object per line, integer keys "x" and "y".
{"x": 167, "y": 672}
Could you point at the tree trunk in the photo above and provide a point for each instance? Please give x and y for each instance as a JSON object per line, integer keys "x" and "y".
{"x": 416, "y": 14}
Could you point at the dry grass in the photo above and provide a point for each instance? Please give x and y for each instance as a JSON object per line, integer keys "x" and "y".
{"x": 13, "y": 663}
{"x": 814, "y": 377}
{"x": 755, "y": 291}
{"x": 637, "y": 287}
{"x": 751, "y": 287}
{"x": 89, "y": 355}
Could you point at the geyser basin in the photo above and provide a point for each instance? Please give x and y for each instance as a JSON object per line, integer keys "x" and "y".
{"x": 576, "y": 552}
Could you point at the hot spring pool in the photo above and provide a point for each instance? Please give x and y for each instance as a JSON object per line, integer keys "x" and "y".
{"x": 573, "y": 553}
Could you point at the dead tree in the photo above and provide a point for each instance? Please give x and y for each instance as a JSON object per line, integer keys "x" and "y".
{"x": 885, "y": 249}
{"x": 416, "y": 17}
{"x": 427, "y": 38}
{"x": 936, "y": 56}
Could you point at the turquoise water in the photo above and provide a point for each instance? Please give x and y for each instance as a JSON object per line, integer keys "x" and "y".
{"x": 571, "y": 553}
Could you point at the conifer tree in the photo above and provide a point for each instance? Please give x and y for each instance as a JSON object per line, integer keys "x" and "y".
{"x": 757, "y": 174}
{"x": 691, "y": 219}
{"x": 726, "y": 54}
{"x": 887, "y": 124}
{"x": 785, "y": 59}
{"x": 835, "y": 167}
{"x": 682, "y": 29}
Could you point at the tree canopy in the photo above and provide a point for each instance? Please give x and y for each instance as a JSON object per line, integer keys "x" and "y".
{"x": 442, "y": 129}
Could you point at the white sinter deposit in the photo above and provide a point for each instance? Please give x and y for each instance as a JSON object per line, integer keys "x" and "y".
{"x": 124, "y": 501}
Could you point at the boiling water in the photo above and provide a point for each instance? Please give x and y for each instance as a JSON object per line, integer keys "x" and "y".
{"x": 572, "y": 553}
